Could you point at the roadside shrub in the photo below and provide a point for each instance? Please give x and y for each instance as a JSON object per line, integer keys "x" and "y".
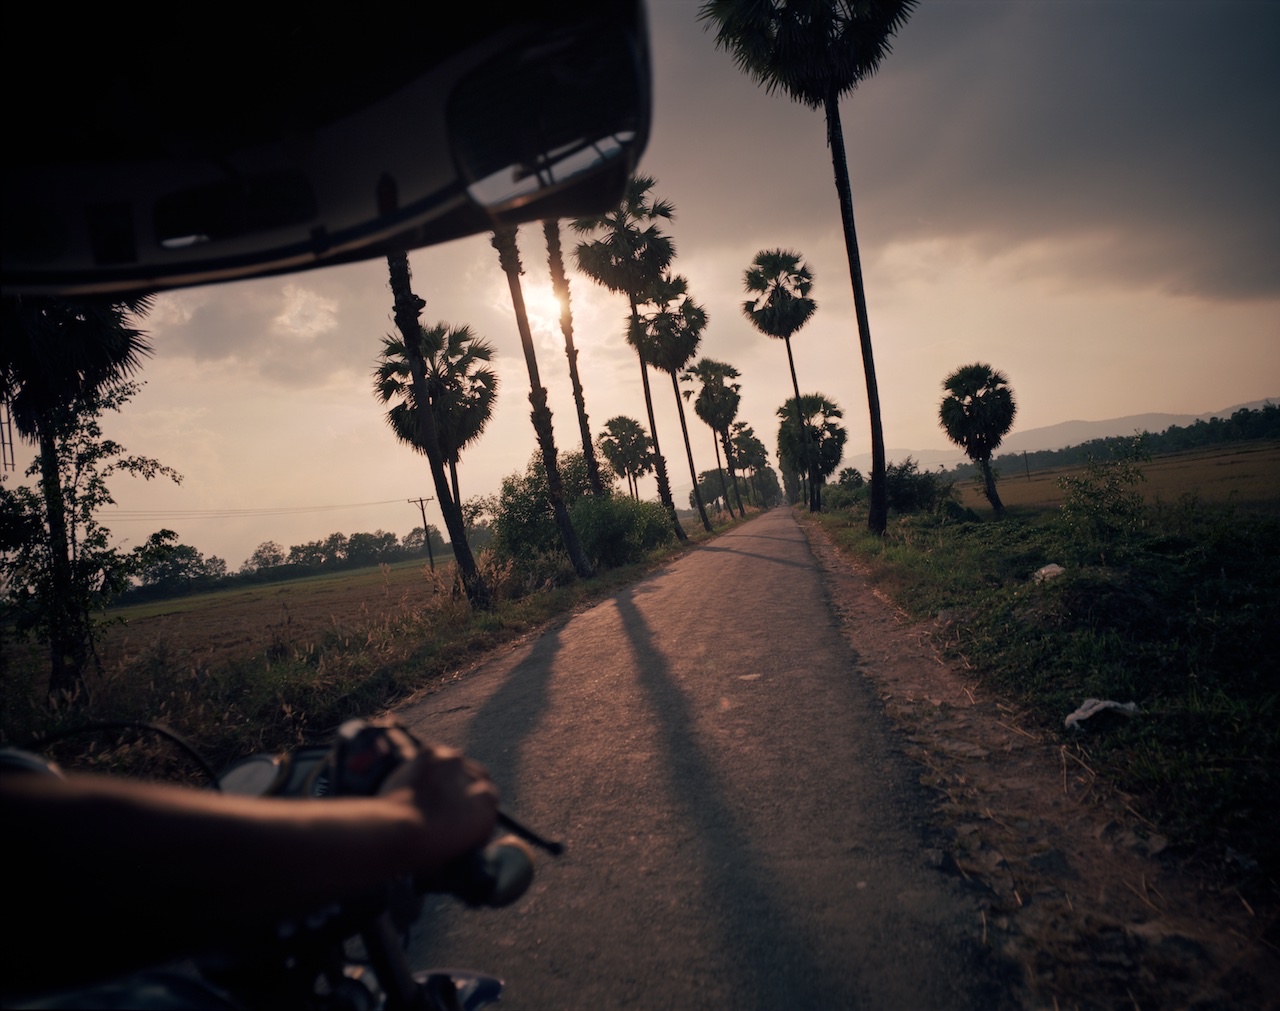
{"x": 618, "y": 530}
{"x": 843, "y": 496}
{"x": 524, "y": 525}
{"x": 909, "y": 489}
{"x": 1102, "y": 510}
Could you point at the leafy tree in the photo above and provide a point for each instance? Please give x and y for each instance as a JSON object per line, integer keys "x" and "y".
{"x": 628, "y": 449}
{"x": 524, "y": 521}
{"x": 779, "y": 283}
{"x": 372, "y": 549}
{"x": 267, "y": 555}
{"x": 976, "y": 413}
{"x": 717, "y": 405}
{"x": 62, "y": 360}
{"x": 57, "y": 579}
{"x": 407, "y": 308}
{"x": 461, "y": 386}
{"x": 666, "y": 331}
{"x": 627, "y": 254}
{"x": 504, "y": 241}
{"x": 560, "y": 285}
{"x": 815, "y": 52}
{"x": 825, "y": 447}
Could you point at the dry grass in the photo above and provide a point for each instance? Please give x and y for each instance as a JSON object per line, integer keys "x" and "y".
{"x": 1246, "y": 475}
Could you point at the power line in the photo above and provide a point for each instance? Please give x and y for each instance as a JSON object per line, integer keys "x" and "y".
{"x": 154, "y": 515}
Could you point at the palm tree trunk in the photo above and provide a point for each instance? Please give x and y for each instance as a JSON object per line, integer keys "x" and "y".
{"x": 560, "y": 284}
{"x": 733, "y": 476}
{"x": 408, "y": 307}
{"x": 504, "y": 241}
{"x": 688, "y": 449}
{"x": 453, "y": 477}
{"x": 804, "y": 427}
{"x": 66, "y": 634}
{"x": 878, "y": 514}
{"x": 664, "y": 485}
{"x": 989, "y": 483}
{"x": 724, "y": 485}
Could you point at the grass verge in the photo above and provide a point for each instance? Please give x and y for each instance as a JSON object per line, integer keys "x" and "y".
{"x": 1176, "y": 608}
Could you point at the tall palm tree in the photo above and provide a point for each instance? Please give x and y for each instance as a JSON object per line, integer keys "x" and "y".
{"x": 627, "y": 253}
{"x": 750, "y": 452}
{"x": 666, "y": 332}
{"x": 462, "y": 389}
{"x": 560, "y": 285}
{"x": 818, "y": 415}
{"x": 817, "y": 51}
{"x": 976, "y": 414}
{"x": 407, "y": 307}
{"x": 717, "y": 405}
{"x": 504, "y": 241}
{"x": 59, "y": 357}
{"x": 779, "y": 283}
{"x": 628, "y": 449}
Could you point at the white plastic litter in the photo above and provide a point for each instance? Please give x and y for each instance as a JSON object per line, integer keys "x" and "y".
{"x": 1091, "y": 707}
{"x": 1048, "y": 572}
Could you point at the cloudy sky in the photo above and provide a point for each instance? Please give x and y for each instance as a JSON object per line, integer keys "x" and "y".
{"x": 1082, "y": 194}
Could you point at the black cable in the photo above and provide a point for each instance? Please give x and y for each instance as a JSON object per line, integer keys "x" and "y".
{"x": 155, "y": 728}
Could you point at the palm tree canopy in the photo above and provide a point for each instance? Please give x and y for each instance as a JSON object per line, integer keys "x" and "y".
{"x": 779, "y": 283}
{"x": 668, "y": 326}
{"x": 748, "y": 450}
{"x": 827, "y": 438}
{"x": 628, "y": 251}
{"x": 978, "y": 409}
{"x": 461, "y": 388}
{"x": 717, "y": 401}
{"x": 810, "y": 49}
{"x": 58, "y": 353}
{"x": 627, "y": 446}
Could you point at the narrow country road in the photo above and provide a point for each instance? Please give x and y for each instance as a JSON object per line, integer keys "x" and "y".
{"x": 742, "y": 829}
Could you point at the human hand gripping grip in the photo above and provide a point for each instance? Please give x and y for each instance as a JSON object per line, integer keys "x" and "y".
{"x": 366, "y": 753}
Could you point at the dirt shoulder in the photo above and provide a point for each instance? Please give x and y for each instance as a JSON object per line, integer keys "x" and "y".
{"x": 1078, "y": 888}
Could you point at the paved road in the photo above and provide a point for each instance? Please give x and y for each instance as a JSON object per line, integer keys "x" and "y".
{"x": 743, "y": 831}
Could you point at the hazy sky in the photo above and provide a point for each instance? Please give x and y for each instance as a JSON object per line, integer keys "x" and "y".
{"x": 1082, "y": 194}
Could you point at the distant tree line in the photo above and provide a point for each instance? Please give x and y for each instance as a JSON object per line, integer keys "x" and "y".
{"x": 1245, "y": 425}
{"x": 173, "y": 569}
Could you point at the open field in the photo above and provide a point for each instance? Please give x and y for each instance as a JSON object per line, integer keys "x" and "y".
{"x": 1245, "y": 475}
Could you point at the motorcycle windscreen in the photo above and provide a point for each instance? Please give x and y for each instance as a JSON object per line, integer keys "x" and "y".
{"x": 238, "y": 150}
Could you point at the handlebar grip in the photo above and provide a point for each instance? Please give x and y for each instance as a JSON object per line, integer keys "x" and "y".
{"x": 494, "y": 876}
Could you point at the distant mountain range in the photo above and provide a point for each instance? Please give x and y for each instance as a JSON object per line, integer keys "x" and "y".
{"x": 1066, "y": 433}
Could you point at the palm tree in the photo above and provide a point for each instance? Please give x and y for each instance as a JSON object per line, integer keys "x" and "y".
{"x": 60, "y": 357}
{"x": 560, "y": 284}
{"x": 628, "y": 449}
{"x": 462, "y": 389}
{"x": 976, "y": 414}
{"x": 815, "y": 416}
{"x": 750, "y": 452}
{"x": 406, "y": 309}
{"x": 817, "y": 51}
{"x": 779, "y": 283}
{"x": 666, "y": 332}
{"x": 717, "y": 405}
{"x": 627, "y": 254}
{"x": 504, "y": 241}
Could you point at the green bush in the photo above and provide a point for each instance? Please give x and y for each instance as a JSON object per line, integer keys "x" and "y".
{"x": 618, "y": 530}
{"x": 910, "y": 490}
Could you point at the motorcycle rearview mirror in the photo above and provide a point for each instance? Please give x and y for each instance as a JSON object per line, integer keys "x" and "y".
{"x": 243, "y": 148}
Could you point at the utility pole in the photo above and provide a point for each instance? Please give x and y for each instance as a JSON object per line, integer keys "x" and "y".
{"x": 426, "y": 530}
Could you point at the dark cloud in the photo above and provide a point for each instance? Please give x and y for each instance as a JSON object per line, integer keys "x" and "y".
{"x": 1144, "y": 134}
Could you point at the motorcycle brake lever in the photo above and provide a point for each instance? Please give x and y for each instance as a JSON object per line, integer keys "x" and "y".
{"x": 529, "y": 835}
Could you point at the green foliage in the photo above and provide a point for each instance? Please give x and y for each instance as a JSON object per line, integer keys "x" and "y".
{"x": 63, "y": 609}
{"x": 619, "y": 530}
{"x": 1103, "y": 510}
{"x": 1183, "y": 619}
{"x": 911, "y": 490}
{"x": 524, "y": 526}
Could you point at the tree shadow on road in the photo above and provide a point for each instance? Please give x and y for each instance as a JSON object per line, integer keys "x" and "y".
{"x": 772, "y": 960}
